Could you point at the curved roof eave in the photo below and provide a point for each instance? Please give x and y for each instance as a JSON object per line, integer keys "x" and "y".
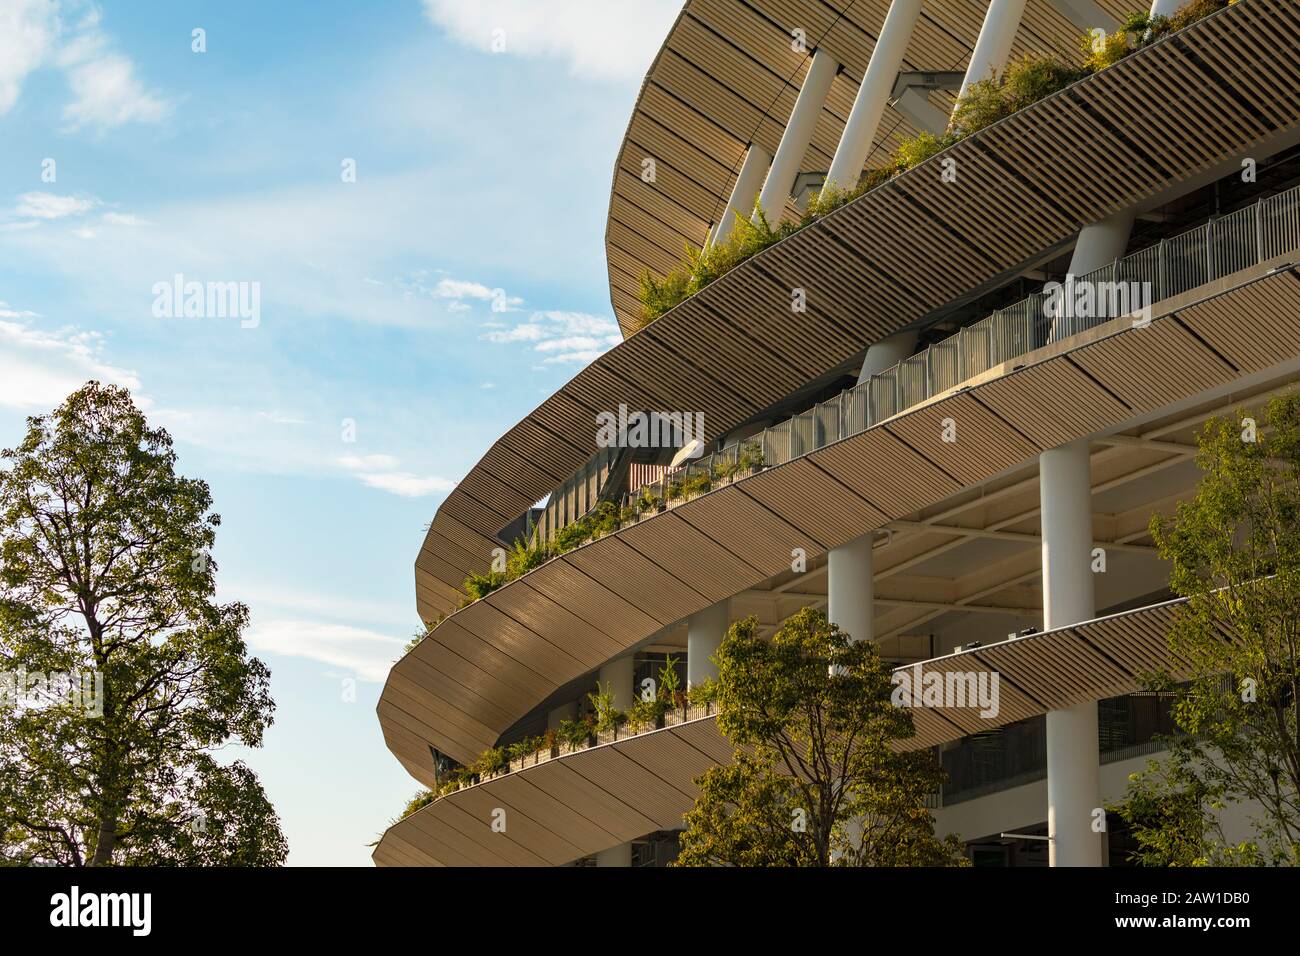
{"x": 891, "y": 257}
{"x": 493, "y": 661}
{"x": 727, "y": 75}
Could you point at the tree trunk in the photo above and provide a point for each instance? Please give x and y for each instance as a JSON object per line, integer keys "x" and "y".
{"x": 105, "y": 841}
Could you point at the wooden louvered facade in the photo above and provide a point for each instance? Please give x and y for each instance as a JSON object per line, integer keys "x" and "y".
{"x": 1225, "y": 89}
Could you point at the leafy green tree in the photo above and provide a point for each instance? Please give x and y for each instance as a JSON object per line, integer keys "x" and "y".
{"x": 1235, "y": 554}
{"x": 816, "y": 780}
{"x": 104, "y": 570}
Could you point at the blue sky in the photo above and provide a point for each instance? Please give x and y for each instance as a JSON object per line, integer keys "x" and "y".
{"x": 423, "y": 308}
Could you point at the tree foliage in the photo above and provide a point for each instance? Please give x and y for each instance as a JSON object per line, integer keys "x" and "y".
{"x": 104, "y": 570}
{"x": 816, "y": 780}
{"x": 1235, "y": 554}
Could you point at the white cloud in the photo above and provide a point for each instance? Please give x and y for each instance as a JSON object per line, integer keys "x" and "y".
{"x": 105, "y": 89}
{"x": 8, "y": 313}
{"x": 525, "y": 332}
{"x": 384, "y": 473}
{"x": 123, "y": 219}
{"x": 368, "y": 654}
{"x": 43, "y": 205}
{"x": 406, "y": 484}
{"x": 107, "y": 93}
{"x": 38, "y": 369}
{"x": 614, "y": 41}
{"x": 28, "y": 29}
{"x": 564, "y": 337}
{"x": 459, "y": 289}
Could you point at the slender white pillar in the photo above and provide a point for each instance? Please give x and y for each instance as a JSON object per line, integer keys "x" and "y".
{"x": 1073, "y": 765}
{"x": 994, "y": 44}
{"x": 1099, "y": 245}
{"x": 1164, "y": 8}
{"x": 744, "y": 193}
{"x": 798, "y": 134}
{"x": 849, "y": 587}
{"x": 617, "y": 676}
{"x": 704, "y": 634}
{"x": 885, "y": 354}
{"x": 873, "y": 95}
{"x": 850, "y": 600}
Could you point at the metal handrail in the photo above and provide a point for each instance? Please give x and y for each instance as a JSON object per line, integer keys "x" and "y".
{"x": 1222, "y": 246}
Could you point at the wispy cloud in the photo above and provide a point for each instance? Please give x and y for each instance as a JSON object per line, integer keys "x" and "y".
{"x": 384, "y": 472}
{"x": 366, "y": 653}
{"x": 46, "y": 205}
{"x": 458, "y": 290}
{"x": 563, "y": 337}
{"x": 615, "y": 41}
{"x": 38, "y": 368}
{"x": 106, "y": 91}
{"x": 28, "y": 30}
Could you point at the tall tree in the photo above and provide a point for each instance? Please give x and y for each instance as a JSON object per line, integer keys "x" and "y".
{"x": 815, "y": 780}
{"x": 1235, "y": 552}
{"x": 105, "y": 571}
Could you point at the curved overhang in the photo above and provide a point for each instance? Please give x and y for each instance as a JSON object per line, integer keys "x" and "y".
{"x": 494, "y": 661}
{"x": 728, "y": 75}
{"x": 574, "y": 805}
{"x": 1174, "y": 111}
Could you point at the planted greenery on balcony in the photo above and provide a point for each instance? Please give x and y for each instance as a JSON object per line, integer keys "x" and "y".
{"x": 603, "y": 723}
{"x": 1023, "y": 83}
{"x": 608, "y": 517}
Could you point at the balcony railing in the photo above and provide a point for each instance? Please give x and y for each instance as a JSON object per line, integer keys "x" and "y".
{"x": 1221, "y": 247}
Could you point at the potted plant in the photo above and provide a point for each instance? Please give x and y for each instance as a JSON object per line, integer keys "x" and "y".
{"x": 607, "y": 718}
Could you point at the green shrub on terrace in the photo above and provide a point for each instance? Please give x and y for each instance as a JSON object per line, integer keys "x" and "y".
{"x": 1140, "y": 29}
{"x": 576, "y": 733}
{"x": 701, "y": 266}
{"x": 1024, "y": 82}
{"x": 419, "y": 801}
{"x": 524, "y": 556}
{"x": 522, "y": 749}
{"x": 481, "y": 585}
{"x": 1185, "y": 16}
{"x": 608, "y": 717}
{"x": 1106, "y": 49}
{"x": 491, "y": 761}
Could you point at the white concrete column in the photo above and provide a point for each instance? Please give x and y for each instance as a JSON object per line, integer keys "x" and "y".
{"x": 798, "y": 134}
{"x": 883, "y": 355}
{"x": 1164, "y": 8}
{"x": 1073, "y": 765}
{"x": 745, "y": 191}
{"x": 704, "y": 634}
{"x": 1099, "y": 245}
{"x": 994, "y": 44}
{"x": 617, "y": 676}
{"x": 873, "y": 95}
{"x": 849, "y": 587}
